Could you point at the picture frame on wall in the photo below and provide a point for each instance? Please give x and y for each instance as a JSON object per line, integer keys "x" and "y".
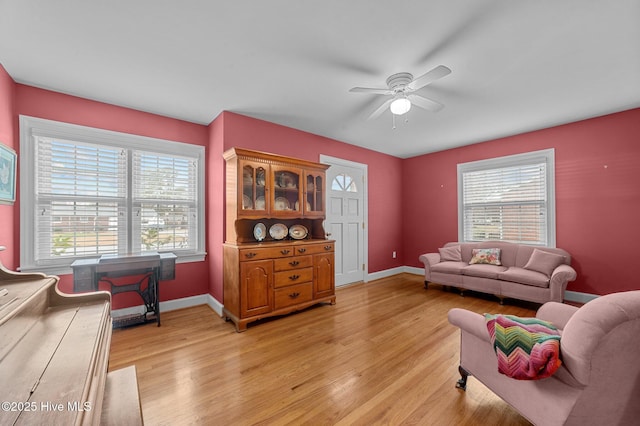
{"x": 8, "y": 159}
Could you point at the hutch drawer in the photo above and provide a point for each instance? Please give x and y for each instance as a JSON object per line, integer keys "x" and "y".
{"x": 295, "y": 262}
{"x": 316, "y": 248}
{"x": 293, "y": 295}
{"x": 294, "y": 276}
{"x": 265, "y": 253}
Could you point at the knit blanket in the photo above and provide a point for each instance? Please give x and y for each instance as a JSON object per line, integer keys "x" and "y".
{"x": 527, "y": 348}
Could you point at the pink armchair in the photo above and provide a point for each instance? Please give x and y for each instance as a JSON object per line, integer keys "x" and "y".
{"x": 599, "y": 380}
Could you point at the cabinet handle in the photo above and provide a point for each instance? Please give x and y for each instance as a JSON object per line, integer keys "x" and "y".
{"x": 251, "y": 255}
{"x": 285, "y": 251}
{"x": 302, "y": 250}
{"x": 327, "y": 247}
{"x": 294, "y": 263}
{"x": 294, "y": 277}
{"x": 294, "y": 295}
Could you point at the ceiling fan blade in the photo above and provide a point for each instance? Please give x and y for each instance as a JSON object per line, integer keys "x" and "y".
{"x": 431, "y": 76}
{"x": 371, "y": 90}
{"x": 382, "y": 108}
{"x": 425, "y": 103}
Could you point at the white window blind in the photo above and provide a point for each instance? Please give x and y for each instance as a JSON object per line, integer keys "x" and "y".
{"x": 164, "y": 200}
{"x": 508, "y": 199}
{"x": 80, "y": 199}
{"x": 87, "y": 192}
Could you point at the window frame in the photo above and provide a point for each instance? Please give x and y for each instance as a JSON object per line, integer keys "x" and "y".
{"x": 529, "y": 158}
{"x": 31, "y": 127}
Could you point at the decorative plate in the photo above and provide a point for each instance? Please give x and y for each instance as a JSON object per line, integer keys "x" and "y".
{"x": 298, "y": 232}
{"x": 260, "y": 231}
{"x": 282, "y": 203}
{"x": 246, "y": 202}
{"x": 297, "y": 208}
{"x": 260, "y": 203}
{"x": 286, "y": 180}
{"x": 278, "y": 231}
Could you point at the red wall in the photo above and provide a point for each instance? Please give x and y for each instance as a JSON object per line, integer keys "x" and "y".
{"x": 233, "y": 130}
{"x": 385, "y": 176}
{"x": 597, "y": 189}
{"x": 215, "y": 205}
{"x": 8, "y": 223}
{"x": 597, "y": 196}
{"x": 191, "y": 278}
{"x": 226, "y": 131}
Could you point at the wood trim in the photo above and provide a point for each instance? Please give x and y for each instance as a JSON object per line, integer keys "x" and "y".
{"x": 272, "y": 159}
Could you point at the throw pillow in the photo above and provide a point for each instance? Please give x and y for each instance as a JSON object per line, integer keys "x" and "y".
{"x": 527, "y": 348}
{"x": 490, "y": 256}
{"x": 451, "y": 253}
{"x": 544, "y": 262}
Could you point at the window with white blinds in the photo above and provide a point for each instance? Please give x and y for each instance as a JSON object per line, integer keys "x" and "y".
{"x": 164, "y": 201}
{"x": 80, "y": 199}
{"x": 87, "y": 192}
{"x": 508, "y": 199}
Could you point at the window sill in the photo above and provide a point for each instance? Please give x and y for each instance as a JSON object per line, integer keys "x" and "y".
{"x": 66, "y": 269}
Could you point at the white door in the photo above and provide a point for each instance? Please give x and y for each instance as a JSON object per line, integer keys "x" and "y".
{"x": 345, "y": 222}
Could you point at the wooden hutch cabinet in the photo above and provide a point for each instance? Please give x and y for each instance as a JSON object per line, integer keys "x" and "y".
{"x": 276, "y": 256}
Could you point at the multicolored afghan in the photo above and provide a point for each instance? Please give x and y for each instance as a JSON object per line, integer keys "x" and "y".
{"x": 527, "y": 348}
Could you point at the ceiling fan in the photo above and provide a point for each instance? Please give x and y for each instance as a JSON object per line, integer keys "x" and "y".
{"x": 401, "y": 88}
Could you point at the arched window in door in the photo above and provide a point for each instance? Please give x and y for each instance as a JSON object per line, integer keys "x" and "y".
{"x": 344, "y": 182}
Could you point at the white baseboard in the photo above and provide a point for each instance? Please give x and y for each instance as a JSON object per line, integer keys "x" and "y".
{"x": 214, "y": 304}
{"x": 386, "y": 273}
{"x": 414, "y": 270}
{"x": 172, "y": 305}
{"x": 576, "y": 296}
{"x": 207, "y": 299}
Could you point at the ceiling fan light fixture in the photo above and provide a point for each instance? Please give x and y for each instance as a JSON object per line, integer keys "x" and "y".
{"x": 400, "y": 105}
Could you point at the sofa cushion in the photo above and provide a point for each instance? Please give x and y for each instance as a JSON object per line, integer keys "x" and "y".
{"x": 525, "y": 276}
{"x": 508, "y": 251}
{"x": 484, "y": 271}
{"x": 489, "y": 256}
{"x": 451, "y": 253}
{"x": 449, "y": 267}
{"x": 527, "y": 348}
{"x": 525, "y": 251}
{"x": 544, "y": 262}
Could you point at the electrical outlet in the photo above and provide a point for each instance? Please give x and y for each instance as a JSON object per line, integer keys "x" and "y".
{"x": 394, "y": 254}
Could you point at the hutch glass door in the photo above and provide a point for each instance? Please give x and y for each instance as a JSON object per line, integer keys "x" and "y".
{"x": 286, "y": 190}
{"x": 254, "y": 184}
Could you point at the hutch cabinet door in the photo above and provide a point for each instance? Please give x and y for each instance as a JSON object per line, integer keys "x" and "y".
{"x": 253, "y": 199}
{"x": 323, "y": 275}
{"x": 256, "y": 287}
{"x": 314, "y": 194}
{"x": 287, "y": 190}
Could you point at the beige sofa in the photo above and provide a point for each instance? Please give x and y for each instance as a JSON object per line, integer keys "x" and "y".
{"x": 535, "y": 274}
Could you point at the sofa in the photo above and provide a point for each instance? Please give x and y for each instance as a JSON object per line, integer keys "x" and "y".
{"x": 504, "y": 269}
{"x": 598, "y": 380}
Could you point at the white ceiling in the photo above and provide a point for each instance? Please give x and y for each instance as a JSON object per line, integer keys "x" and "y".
{"x": 517, "y": 65}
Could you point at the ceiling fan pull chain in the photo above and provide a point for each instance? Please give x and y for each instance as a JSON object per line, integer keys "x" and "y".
{"x": 393, "y": 121}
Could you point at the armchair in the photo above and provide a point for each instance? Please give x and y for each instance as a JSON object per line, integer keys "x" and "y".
{"x": 599, "y": 380}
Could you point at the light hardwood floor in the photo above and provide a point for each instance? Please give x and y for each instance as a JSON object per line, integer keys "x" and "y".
{"x": 384, "y": 354}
